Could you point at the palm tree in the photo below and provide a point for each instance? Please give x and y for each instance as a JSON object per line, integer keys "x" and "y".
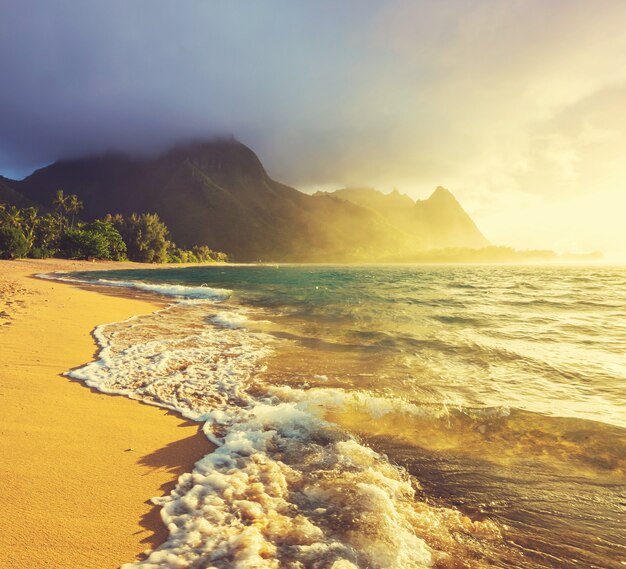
{"x": 47, "y": 232}
{"x": 12, "y": 216}
{"x": 60, "y": 203}
{"x": 30, "y": 222}
{"x": 73, "y": 206}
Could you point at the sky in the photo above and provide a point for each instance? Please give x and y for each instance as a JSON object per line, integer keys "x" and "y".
{"x": 517, "y": 106}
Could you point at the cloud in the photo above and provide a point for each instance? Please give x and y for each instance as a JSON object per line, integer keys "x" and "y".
{"x": 85, "y": 76}
{"x": 489, "y": 98}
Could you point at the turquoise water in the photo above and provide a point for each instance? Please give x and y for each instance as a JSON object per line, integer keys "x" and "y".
{"x": 495, "y": 393}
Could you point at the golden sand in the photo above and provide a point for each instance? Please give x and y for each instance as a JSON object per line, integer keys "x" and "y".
{"x": 77, "y": 467}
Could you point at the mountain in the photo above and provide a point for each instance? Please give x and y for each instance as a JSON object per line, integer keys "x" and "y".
{"x": 9, "y": 195}
{"x": 438, "y": 222}
{"x": 218, "y": 193}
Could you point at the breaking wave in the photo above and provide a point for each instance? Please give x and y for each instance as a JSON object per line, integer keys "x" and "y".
{"x": 285, "y": 486}
{"x": 172, "y": 290}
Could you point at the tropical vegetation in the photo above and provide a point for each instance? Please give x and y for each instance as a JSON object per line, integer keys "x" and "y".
{"x": 59, "y": 232}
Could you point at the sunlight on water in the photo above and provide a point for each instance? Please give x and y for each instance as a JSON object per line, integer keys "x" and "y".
{"x": 495, "y": 393}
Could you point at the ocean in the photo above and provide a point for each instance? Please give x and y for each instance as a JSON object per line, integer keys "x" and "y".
{"x": 384, "y": 416}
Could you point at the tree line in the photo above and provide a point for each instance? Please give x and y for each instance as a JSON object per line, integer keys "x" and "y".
{"x": 28, "y": 232}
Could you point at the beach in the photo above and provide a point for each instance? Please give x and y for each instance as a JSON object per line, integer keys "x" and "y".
{"x": 78, "y": 467}
{"x": 383, "y": 417}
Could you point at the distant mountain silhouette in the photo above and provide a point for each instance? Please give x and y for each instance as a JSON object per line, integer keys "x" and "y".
{"x": 9, "y": 195}
{"x": 438, "y": 222}
{"x": 218, "y": 193}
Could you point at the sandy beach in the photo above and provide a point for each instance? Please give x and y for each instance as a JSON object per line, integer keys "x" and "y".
{"x": 77, "y": 467}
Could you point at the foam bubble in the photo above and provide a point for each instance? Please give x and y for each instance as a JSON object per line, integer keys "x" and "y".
{"x": 285, "y": 487}
{"x": 155, "y": 358}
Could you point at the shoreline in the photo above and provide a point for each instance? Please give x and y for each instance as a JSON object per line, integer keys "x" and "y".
{"x": 78, "y": 467}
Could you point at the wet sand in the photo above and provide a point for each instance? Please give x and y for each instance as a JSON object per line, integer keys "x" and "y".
{"x": 77, "y": 467}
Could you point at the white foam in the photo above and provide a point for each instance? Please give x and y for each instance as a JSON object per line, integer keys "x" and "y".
{"x": 307, "y": 509}
{"x": 178, "y": 291}
{"x": 155, "y": 359}
{"x": 284, "y": 487}
{"x": 230, "y": 319}
{"x": 324, "y": 399}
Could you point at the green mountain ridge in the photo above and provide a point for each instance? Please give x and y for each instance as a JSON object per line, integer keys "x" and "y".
{"x": 9, "y": 195}
{"x": 218, "y": 193}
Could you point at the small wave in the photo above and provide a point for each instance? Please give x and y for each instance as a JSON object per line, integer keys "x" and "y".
{"x": 178, "y": 291}
{"x": 465, "y": 320}
{"x": 540, "y": 303}
{"x": 230, "y": 319}
{"x": 321, "y": 400}
{"x": 468, "y": 286}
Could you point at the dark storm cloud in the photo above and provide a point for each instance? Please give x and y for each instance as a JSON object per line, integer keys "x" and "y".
{"x": 82, "y": 76}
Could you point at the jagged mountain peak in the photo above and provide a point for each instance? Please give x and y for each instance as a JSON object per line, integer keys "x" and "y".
{"x": 443, "y": 194}
{"x": 437, "y": 222}
{"x": 371, "y": 197}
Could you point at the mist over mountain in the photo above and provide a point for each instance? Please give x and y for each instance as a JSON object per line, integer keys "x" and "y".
{"x": 439, "y": 222}
{"x": 218, "y": 193}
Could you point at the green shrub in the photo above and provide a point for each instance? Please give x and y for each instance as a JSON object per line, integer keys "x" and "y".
{"x": 83, "y": 244}
{"x": 40, "y": 253}
{"x": 116, "y": 248}
{"x": 202, "y": 253}
{"x": 13, "y": 244}
{"x": 98, "y": 240}
{"x": 145, "y": 235}
{"x": 177, "y": 255}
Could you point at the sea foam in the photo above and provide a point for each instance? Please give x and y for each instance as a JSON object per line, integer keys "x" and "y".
{"x": 285, "y": 487}
{"x": 204, "y": 292}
